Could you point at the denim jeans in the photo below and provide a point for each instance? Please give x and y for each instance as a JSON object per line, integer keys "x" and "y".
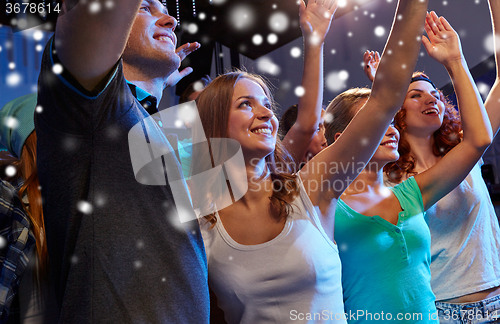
{"x": 484, "y": 311}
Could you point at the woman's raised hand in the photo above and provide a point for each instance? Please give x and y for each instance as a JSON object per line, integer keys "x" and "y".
{"x": 442, "y": 43}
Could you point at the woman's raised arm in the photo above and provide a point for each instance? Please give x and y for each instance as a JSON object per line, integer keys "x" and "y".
{"x": 363, "y": 135}
{"x": 443, "y": 45}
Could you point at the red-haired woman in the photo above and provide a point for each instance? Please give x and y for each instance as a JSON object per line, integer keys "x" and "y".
{"x": 465, "y": 247}
{"x": 19, "y": 138}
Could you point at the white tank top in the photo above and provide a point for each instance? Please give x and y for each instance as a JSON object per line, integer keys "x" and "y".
{"x": 294, "y": 278}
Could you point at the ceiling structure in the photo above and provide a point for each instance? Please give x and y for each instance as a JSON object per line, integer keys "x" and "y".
{"x": 246, "y": 26}
{"x": 235, "y": 23}
{"x": 269, "y": 28}
{"x": 252, "y": 28}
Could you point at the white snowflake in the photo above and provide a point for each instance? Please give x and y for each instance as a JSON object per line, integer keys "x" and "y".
{"x": 100, "y": 200}
{"x": 295, "y": 52}
{"x": 192, "y": 28}
{"x": 335, "y": 81}
{"x": 94, "y": 7}
{"x": 266, "y": 65}
{"x": 328, "y": 117}
{"x": 37, "y": 35}
{"x": 188, "y": 113}
{"x": 22, "y": 23}
{"x": 257, "y": 39}
{"x": 272, "y": 39}
{"x": 343, "y": 75}
{"x": 278, "y": 22}
{"x": 489, "y": 45}
{"x": 11, "y": 122}
{"x": 57, "y": 68}
{"x": 483, "y": 89}
{"x": 242, "y": 17}
{"x": 300, "y": 91}
{"x": 10, "y": 171}
{"x": 84, "y": 207}
{"x": 69, "y": 144}
{"x": 198, "y": 86}
{"x": 379, "y": 31}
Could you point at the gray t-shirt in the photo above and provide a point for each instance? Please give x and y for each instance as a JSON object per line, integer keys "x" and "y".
{"x": 118, "y": 252}
{"x": 465, "y": 240}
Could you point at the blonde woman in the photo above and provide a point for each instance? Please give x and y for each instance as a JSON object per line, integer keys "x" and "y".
{"x": 271, "y": 254}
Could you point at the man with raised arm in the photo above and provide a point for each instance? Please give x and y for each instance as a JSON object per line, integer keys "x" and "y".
{"x": 118, "y": 252}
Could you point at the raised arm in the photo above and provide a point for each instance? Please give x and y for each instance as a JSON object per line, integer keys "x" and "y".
{"x": 443, "y": 45}
{"x": 315, "y": 20}
{"x": 363, "y": 135}
{"x": 91, "y": 36}
{"x": 371, "y": 60}
{"x": 492, "y": 103}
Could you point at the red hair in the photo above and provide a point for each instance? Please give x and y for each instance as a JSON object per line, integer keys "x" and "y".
{"x": 445, "y": 138}
{"x": 31, "y": 188}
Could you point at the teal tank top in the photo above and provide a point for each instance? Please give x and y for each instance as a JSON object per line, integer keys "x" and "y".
{"x": 385, "y": 267}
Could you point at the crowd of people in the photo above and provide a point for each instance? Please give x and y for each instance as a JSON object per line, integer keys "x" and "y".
{"x": 100, "y": 223}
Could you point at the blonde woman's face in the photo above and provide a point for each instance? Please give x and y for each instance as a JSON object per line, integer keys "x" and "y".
{"x": 251, "y": 121}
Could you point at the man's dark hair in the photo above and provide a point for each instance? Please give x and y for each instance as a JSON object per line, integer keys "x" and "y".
{"x": 287, "y": 120}
{"x": 193, "y": 87}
